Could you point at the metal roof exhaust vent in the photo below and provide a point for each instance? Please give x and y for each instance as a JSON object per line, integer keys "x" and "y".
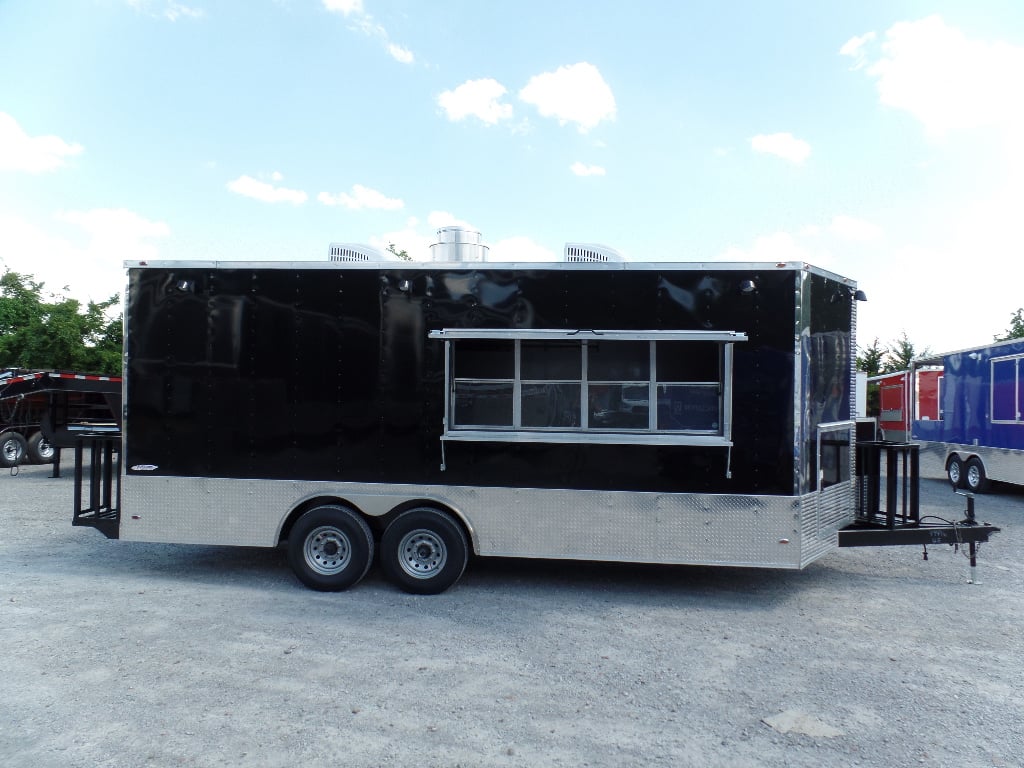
{"x": 354, "y": 252}
{"x": 458, "y": 244}
{"x": 591, "y": 252}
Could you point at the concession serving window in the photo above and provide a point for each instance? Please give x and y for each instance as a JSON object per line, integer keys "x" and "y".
{"x": 589, "y": 386}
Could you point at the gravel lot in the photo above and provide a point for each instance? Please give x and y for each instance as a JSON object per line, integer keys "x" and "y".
{"x": 122, "y": 654}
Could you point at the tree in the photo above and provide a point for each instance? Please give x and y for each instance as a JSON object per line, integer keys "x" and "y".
{"x": 402, "y": 254}
{"x": 1016, "y": 329}
{"x": 871, "y": 359}
{"x": 47, "y": 331}
{"x": 900, "y": 353}
{"x": 875, "y": 360}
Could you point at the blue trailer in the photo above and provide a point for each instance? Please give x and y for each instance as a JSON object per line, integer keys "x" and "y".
{"x": 978, "y": 436}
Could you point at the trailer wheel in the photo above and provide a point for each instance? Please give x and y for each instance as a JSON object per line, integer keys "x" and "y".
{"x": 424, "y": 551}
{"x": 12, "y": 449}
{"x": 330, "y": 548}
{"x": 40, "y": 450}
{"x": 955, "y": 472}
{"x": 974, "y": 476}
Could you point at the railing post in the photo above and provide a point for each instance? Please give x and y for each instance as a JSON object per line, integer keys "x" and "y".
{"x": 890, "y": 488}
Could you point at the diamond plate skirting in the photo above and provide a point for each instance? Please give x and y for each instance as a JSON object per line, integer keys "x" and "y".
{"x": 758, "y": 531}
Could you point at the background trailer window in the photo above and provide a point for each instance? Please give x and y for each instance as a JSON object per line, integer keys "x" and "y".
{"x": 1008, "y": 390}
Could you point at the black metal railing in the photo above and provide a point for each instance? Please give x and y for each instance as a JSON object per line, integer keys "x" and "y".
{"x": 98, "y": 482}
{"x": 901, "y": 482}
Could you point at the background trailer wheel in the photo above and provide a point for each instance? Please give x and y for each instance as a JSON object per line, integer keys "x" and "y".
{"x": 424, "y": 551}
{"x": 955, "y": 472}
{"x": 330, "y": 548}
{"x": 40, "y": 451}
{"x": 12, "y": 449}
{"x": 975, "y": 478}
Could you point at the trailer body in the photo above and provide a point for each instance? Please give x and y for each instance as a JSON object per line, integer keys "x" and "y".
{"x": 896, "y": 409}
{"x": 979, "y": 435}
{"x": 657, "y": 413}
{"x": 32, "y": 403}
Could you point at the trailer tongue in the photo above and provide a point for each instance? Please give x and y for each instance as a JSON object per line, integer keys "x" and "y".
{"x": 897, "y": 520}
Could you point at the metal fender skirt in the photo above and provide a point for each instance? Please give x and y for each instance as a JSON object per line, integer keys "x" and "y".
{"x": 700, "y": 529}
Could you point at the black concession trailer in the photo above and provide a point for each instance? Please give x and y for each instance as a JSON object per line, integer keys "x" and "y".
{"x": 416, "y": 413}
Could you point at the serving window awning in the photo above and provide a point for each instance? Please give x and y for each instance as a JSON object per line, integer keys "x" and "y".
{"x": 556, "y": 334}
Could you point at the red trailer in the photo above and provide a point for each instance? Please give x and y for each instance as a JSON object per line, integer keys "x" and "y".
{"x": 894, "y": 413}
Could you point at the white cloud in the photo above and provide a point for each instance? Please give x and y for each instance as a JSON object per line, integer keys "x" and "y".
{"x": 168, "y": 9}
{"x": 479, "y": 98}
{"x": 521, "y": 249}
{"x": 400, "y": 54}
{"x": 895, "y": 275}
{"x": 784, "y": 145}
{"x": 572, "y": 94}
{"x": 344, "y": 7}
{"x": 174, "y": 11}
{"x": 779, "y": 246}
{"x": 854, "y": 47}
{"x": 946, "y": 80}
{"x": 87, "y": 258}
{"x": 361, "y": 197}
{"x": 955, "y": 86}
{"x": 247, "y": 186}
{"x": 438, "y": 219}
{"x": 115, "y": 226}
{"x": 363, "y": 22}
{"x": 581, "y": 169}
{"x": 857, "y": 230}
{"x": 823, "y": 246}
{"x": 912, "y": 287}
{"x": 32, "y": 154}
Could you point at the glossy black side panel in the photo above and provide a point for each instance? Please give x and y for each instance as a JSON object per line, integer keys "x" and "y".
{"x": 827, "y": 351}
{"x": 329, "y": 374}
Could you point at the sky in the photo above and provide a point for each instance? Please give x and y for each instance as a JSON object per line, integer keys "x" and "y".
{"x": 883, "y": 141}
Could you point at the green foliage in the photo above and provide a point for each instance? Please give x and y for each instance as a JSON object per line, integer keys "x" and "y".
{"x": 871, "y": 359}
{"x": 45, "y": 331}
{"x": 1016, "y": 329}
{"x": 402, "y": 254}
{"x": 875, "y": 360}
{"x": 900, "y": 353}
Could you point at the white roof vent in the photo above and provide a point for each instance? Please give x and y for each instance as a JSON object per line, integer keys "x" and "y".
{"x": 591, "y": 252}
{"x": 354, "y": 252}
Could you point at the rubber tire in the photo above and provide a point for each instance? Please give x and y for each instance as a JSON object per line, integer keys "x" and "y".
{"x": 955, "y": 472}
{"x": 40, "y": 450}
{"x": 437, "y": 525}
{"x": 975, "y": 478}
{"x": 338, "y": 521}
{"x": 12, "y": 449}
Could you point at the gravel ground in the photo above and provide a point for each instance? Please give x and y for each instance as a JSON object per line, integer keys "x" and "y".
{"x": 124, "y": 654}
